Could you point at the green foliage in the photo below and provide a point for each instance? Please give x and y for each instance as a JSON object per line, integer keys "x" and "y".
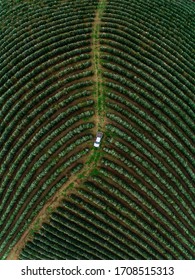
{"x": 138, "y": 200}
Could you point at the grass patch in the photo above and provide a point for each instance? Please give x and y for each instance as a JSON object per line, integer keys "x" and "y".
{"x": 69, "y": 187}
{"x": 35, "y": 228}
{"x": 49, "y": 209}
{"x": 94, "y": 158}
{"x": 81, "y": 176}
{"x": 94, "y": 172}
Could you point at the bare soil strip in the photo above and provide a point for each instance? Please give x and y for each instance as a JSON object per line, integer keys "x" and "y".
{"x": 78, "y": 179}
{"x": 99, "y": 90}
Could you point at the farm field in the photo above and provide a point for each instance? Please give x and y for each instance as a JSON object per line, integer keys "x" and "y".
{"x": 68, "y": 70}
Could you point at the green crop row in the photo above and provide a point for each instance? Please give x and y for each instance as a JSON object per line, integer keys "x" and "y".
{"x": 151, "y": 109}
{"x": 152, "y": 188}
{"x": 145, "y": 88}
{"x": 58, "y": 232}
{"x": 141, "y": 205}
{"x": 132, "y": 232}
{"x": 32, "y": 203}
{"x": 77, "y": 247}
{"x": 92, "y": 225}
{"x": 152, "y": 148}
{"x": 39, "y": 162}
{"x": 143, "y": 127}
{"x": 172, "y": 42}
{"x": 17, "y": 232}
{"x": 50, "y": 127}
{"x": 27, "y": 78}
{"x": 177, "y": 202}
{"x": 164, "y": 127}
{"x": 61, "y": 226}
{"x": 123, "y": 207}
{"x": 134, "y": 201}
{"x": 28, "y": 101}
{"x": 146, "y": 201}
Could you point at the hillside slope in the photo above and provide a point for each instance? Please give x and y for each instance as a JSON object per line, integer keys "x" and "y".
{"x": 69, "y": 69}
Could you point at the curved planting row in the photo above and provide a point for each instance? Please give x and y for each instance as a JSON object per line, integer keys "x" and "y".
{"x": 89, "y": 235}
{"x": 138, "y": 203}
{"x": 151, "y": 115}
{"x": 46, "y": 108}
{"x": 106, "y": 219}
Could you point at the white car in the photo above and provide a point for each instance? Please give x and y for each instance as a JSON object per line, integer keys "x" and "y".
{"x": 98, "y": 139}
